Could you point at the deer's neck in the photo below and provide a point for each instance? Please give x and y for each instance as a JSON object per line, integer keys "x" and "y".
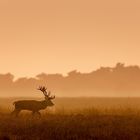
{"x": 44, "y": 102}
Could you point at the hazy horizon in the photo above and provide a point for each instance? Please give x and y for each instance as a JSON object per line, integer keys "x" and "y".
{"x": 117, "y": 81}
{"x": 64, "y": 74}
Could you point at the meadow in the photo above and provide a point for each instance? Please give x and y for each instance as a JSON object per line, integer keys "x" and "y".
{"x": 74, "y": 119}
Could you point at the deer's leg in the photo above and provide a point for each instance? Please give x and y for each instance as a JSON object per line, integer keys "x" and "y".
{"x": 15, "y": 112}
{"x": 33, "y": 113}
{"x": 39, "y": 114}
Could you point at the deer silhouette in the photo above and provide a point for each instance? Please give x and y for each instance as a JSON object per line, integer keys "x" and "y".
{"x": 33, "y": 105}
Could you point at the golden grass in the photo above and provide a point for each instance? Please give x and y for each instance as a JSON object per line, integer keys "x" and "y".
{"x": 87, "y": 124}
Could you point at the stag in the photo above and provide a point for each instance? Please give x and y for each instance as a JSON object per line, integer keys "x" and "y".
{"x": 33, "y": 105}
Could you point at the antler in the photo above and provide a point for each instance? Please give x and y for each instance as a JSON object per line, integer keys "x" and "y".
{"x": 51, "y": 97}
{"x": 43, "y": 89}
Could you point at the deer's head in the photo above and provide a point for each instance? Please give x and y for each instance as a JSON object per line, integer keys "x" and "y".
{"x": 47, "y": 94}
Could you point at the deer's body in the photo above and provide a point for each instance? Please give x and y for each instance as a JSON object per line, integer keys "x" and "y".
{"x": 33, "y": 105}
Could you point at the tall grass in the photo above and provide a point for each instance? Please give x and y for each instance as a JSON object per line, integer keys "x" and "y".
{"x": 87, "y": 124}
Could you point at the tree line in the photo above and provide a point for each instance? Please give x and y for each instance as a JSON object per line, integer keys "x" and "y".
{"x": 120, "y": 80}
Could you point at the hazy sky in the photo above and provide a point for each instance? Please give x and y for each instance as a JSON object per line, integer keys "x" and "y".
{"x": 56, "y": 36}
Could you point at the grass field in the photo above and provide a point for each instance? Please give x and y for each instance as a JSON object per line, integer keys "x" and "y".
{"x": 91, "y": 123}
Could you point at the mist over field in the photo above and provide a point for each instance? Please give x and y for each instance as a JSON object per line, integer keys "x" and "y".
{"x": 78, "y": 103}
{"x": 73, "y": 119}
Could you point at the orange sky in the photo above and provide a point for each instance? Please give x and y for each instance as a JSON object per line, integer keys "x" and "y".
{"x": 56, "y": 36}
